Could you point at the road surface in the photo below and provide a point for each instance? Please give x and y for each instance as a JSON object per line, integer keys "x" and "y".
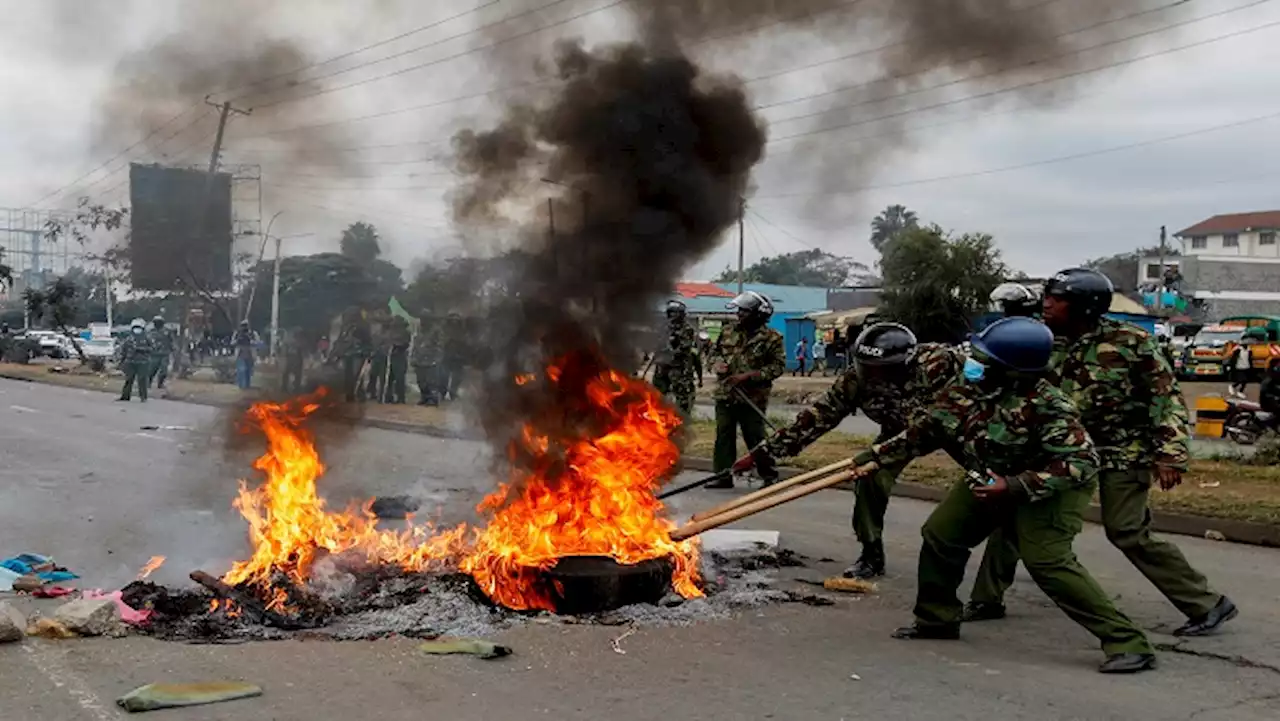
{"x": 83, "y": 482}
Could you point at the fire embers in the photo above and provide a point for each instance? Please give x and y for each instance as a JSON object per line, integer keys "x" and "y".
{"x": 589, "y": 465}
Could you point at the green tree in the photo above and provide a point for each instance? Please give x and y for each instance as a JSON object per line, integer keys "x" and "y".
{"x": 892, "y": 221}
{"x": 814, "y": 268}
{"x": 314, "y": 289}
{"x": 360, "y": 243}
{"x": 6, "y": 273}
{"x": 58, "y": 307}
{"x": 936, "y": 284}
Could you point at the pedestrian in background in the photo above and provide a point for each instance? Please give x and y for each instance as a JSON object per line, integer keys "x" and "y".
{"x": 135, "y": 360}
{"x": 426, "y": 356}
{"x": 398, "y": 338}
{"x": 802, "y": 356}
{"x": 1239, "y": 366}
{"x": 293, "y": 348}
{"x": 243, "y": 342}
{"x": 819, "y": 357}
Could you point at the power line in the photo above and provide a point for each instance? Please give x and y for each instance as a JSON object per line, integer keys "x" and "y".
{"x": 1028, "y": 84}
{"x": 525, "y": 85}
{"x": 438, "y": 61}
{"x": 979, "y": 56}
{"x": 1033, "y": 164}
{"x": 369, "y": 189}
{"x": 60, "y": 190}
{"x": 351, "y": 53}
{"x": 780, "y": 229}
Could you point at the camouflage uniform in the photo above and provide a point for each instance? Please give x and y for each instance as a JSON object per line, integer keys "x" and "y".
{"x": 932, "y": 368}
{"x": 376, "y": 384}
{"x": 1032, "y": 436}
{"x": 738, "y": 351}
{"x": 1130, "y": 403}
{"x": 677, "y": 368}
{"x": 398, "y": 339}
{"x": 352, "y": 346}
{"x": 161, "y": 349}
{"x": 426, "y": 356}
{"x": 135, "y": 361}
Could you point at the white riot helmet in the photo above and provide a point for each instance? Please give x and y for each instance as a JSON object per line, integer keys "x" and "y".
{"x": 752, "y": 302}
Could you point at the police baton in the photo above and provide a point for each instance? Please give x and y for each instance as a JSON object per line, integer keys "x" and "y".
{"x": 709, "y": 479}
{"x": 743, "y": 397}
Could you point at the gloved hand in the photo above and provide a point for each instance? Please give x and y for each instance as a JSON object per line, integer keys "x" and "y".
{"x": 745, "y": 463}
{"x": 864, "y": 457}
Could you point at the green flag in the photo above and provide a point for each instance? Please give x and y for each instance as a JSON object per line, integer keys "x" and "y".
{"x": 398, "y": 310}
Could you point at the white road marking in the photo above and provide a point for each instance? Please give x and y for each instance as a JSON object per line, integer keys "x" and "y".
{"x": 158, "y": 438}
{"x": 64, "y": 678}
{"x": 24, "y": 409}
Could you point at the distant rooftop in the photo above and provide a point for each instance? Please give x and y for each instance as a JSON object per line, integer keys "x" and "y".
{"x": 1234, "y": 223}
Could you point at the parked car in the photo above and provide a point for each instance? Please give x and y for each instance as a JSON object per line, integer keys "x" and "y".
{"x": 99, "y": 348}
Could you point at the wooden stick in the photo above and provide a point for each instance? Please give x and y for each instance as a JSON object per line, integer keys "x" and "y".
{"x": 249, "y": 606}
{"x": 764, "y": 504}
{"x": 771, "y": 490}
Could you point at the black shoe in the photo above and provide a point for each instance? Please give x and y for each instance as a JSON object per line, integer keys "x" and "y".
{"x": 929, "y": 633}
{"x": 1128, "y": 663}
{"x": 983, "y": 611}
{"x": 869, "y": 565}
{"x": 1207, "y": 624}
{"x": 766, "y": 482}
{"x": 720, "y": 485}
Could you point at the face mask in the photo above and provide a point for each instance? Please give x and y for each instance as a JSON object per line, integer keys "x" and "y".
{"x": 973, "y": 370}
{"x": 137, "y": 330}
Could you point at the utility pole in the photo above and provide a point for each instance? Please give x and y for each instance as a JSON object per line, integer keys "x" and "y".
{"x": 742, "y": 240}
{"x": 1160, "y": 281}
{"x": 275, "y": 304}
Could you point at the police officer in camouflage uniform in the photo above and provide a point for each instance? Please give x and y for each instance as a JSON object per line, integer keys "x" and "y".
{"x": 892, "y": 378}
{"x": 747, "y": 358}
{"x": 1030, "y": 470}
{"x": 1016, "y": 300}
{"x": 135, "y": 360}
{"x": 352, "y": 347}
{"x": 677, "y": 368}
{"x": 398, "y": 339}
{"x": 1129, "y": 400}
{"x": 161, "y": 349}
{"x": 426, "y": 356}
{"x": 376, "y": 384}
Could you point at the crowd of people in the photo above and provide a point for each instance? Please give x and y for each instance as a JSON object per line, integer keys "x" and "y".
{"x": 1041, "y": 409}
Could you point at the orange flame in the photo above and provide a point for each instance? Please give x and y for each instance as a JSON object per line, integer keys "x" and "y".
{"x": 599, "y": 501}
{"x": 150, "y": 567}
{"x": 228, "y": 608}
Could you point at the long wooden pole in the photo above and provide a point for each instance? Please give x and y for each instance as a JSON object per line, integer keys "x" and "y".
{"x": 774, "y": 489}
{"x": 692, "y": 529}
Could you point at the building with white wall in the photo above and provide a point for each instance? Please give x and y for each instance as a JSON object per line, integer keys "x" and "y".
{"x": 1232, "y": 263}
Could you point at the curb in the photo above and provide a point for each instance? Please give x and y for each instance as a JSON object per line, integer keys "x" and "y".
{"x": 1244, "y": 532}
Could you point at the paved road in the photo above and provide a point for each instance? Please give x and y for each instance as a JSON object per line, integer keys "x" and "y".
{"x": 82, "y": 482}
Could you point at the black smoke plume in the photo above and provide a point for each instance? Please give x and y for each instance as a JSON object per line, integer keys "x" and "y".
{"x": 650, "y": 155}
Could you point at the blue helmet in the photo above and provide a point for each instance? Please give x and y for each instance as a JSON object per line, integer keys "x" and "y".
{"x": 1018, "y": 344}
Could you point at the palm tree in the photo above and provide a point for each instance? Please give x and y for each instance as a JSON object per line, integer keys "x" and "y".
{"x": 892, "y": 221}
{"x": 360, "y": 243}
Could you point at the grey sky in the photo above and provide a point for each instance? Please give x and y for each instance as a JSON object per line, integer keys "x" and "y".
{"x": 57, "y": 58}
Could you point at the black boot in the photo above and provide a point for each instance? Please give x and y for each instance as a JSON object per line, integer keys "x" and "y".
{"x": 983, "y": 611}
{"x": 930, "y": 633}
{"x": 1128, "y": 663}
{"x": 1210, "y": 622}
{"x": 870, "y": 564}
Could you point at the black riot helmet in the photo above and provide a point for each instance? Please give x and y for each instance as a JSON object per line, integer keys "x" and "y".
{"x": 885, "y": 344}
{"x": 752, "y": 306}
{"x": 1087, "y": 293}
{"x": 1016, "y": 300}
{"x": 676, "y": 309}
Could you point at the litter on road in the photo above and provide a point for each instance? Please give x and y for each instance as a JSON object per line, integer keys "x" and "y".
{"x": 155, "y": 696}
{"x": 467, "y": 646}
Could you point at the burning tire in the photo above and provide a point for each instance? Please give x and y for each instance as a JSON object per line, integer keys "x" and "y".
{"x": 579, "y": 585}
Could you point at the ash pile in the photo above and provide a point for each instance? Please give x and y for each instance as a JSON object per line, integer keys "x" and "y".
{"x": 371, "y": 603}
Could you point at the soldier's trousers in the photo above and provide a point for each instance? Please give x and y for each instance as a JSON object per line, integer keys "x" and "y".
{"x": 871, "y": 500}
{"x": 731, "y": 415}
{"x": 374, "y": 386}
{"x": 428, "y": 379}
{"x": 679, "y": 389}
{"x": 1043, "y": 532}
{"x": 135, "y": 372}
{"x": 1127, "y": 520}
{"x": 351, "y": 367}
{"x": 159, "y": 370}
{"x": 396, "y": 384}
